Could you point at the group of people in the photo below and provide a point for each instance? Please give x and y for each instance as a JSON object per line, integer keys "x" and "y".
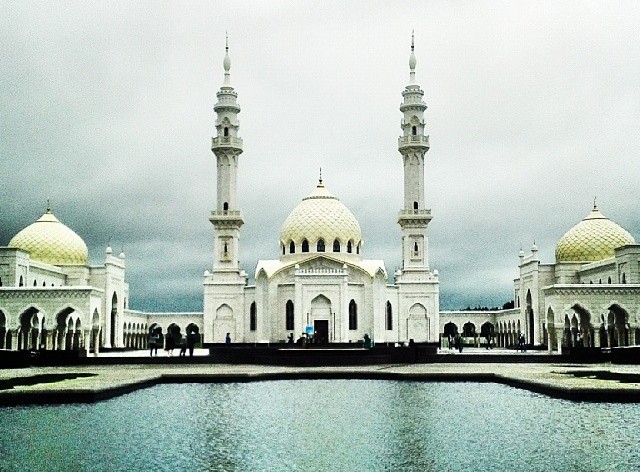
{"x": 171, "y": 341}
{"x": 455, "y": 342}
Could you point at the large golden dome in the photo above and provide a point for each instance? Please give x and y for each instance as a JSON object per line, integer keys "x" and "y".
{"x": 593, "y": 239}
{"x": 47, "y": 240}
{"x": 321, "y": 216}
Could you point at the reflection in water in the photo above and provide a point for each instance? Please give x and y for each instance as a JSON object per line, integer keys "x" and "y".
{"x": 323, "y": 425}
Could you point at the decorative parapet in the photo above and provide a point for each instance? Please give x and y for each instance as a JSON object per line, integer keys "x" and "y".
{"x": 223, "y": 142}
{"x": 413, "y": 141}
{"x": 226, "y": 218}
{"x": 414, "y": 217}
{"x": 591, "y": 289}
{"x": 48, "y": 292}
{"x": 322, "y": 271}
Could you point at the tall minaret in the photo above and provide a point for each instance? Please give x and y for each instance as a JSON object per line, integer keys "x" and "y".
{"x": 227, "y": 146}
{"x": 413, "y": 145}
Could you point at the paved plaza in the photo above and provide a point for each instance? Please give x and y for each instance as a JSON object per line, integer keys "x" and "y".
{"x": 88, "y": 383}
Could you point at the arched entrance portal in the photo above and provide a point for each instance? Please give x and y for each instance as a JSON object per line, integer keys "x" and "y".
{"x": 320, "y": 318}
{"x": 618, "y": 326}
{"x": 418, "y": 327}
{"x": 114, "y": 315}
{"x": 530, "y": 316}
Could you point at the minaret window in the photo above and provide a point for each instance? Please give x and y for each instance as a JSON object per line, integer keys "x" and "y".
{"x": 35, "y": 283}
{"x": 624, "y": 278}
{"x": 225, "y": 206}
{"x": 415, "y": 249}
{"x": 389, "y": 317}
{"x": 283, "y": 250}
{"x": 358, "y": 248}
{"x": 349, "y": 247}
{"x": 44, "y": 284}
{"x": 320, "y": 246}
{"x": 336, "y": 246}
{"x": 226, "y": 249}
{"x": 305, "y": 246}
{"x": 609, "y": 280}
{"x": 226, "y": 131}
{"x": 252, "y": 317}
{"x": 353, "y": 315}
{"x": 292, "y": 247}
{"x": 415, "y": 206}
{"x": 414, "y": 130}
{"x": 0, "y": 281}
{"x": 289, "y": 316}
{"x": 21, "y": 282}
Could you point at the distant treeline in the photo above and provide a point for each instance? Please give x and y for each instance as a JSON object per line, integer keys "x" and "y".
{"x": 506, "y": 306}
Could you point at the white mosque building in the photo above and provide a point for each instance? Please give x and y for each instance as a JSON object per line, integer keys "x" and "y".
{"x": 320, "y": 281}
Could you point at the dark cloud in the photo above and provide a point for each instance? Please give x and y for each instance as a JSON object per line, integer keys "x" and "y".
{"x": 107, "y": 110}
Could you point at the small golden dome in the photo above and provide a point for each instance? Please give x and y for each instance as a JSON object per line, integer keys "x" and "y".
{"x": 593, "y": 239}
{"x": 321, "y": 216}
{"x": 47, "y": 240}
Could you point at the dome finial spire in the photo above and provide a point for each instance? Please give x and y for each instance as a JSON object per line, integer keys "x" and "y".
{"x": 595, "y": 206}
{"x": 412, "y": 62}
{"x": 320, "y": 180}
{"x": 227, "y": 62}
{"x": 48, "y": 205}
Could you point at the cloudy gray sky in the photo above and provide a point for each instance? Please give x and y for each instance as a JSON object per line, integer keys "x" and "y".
{"x": 107, "y": 109}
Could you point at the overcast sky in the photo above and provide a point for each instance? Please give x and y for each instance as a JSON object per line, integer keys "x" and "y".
{"x": 107, "y": 109}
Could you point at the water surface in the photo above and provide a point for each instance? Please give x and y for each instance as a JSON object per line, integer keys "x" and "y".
{"x": 310, "y": 425}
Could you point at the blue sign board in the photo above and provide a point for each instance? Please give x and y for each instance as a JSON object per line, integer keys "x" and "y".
{"x": 309, "y": 329}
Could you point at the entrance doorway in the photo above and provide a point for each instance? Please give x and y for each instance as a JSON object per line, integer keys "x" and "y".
{"x": 321, "y": 329}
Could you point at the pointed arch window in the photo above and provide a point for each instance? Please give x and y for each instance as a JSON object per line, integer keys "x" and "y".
{"x": 624, "y": 278}
{"x": 320, "y": 245}
{"x": 389, "y": 317}
{"x": 225, "y": 206}
{"x": 253, "y": 317}
{"x": 415, "y": 206}
{"x": 414, "y": 130}
{"x": 292, "y": 247}
{"x": 35, "y": 283}
{"x": 353, "y": 315}
{"x": 226, "y": 131}
{"x": 349, "y": 247}
{"x": 21, "y": 282}
{"x": 358, "y": 248}
{"x": 609, "y": 280}
{"x": 289, "y": 316}
{"x": 336, "y": 246}
{"x": 305, "y": 246}
{"x": 44, "y": 284}
{"x": 415, "y": 248}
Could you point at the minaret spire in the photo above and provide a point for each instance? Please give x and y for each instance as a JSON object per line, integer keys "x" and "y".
{"x": 412, "y": 63}
{"x": 226, "y": 63}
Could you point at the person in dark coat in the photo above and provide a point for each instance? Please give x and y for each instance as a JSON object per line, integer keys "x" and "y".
{"x": 192, "y": 340}
{"x": 170, "y": 344}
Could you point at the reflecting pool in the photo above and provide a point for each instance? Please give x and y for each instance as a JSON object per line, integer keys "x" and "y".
{"x": 310, "y": 425}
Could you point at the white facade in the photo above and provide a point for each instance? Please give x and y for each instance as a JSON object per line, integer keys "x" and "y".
{"x": 321, "y": 281}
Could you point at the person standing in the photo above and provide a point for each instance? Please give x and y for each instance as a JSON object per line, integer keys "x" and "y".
{"x": 192, "y": 339}
{"x": 227, "y": 339}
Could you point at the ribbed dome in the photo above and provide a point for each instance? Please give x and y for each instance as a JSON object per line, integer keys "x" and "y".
{"x": 47, "y": 240}
{"x": 320, "y": 216}
{"x": 593, "y": 239}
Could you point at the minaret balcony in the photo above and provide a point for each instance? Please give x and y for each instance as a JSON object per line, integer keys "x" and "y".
{"x": 226, "y": 218}
{"x": 413, "y": 217}
{"x": 222, "y": 142}
{"x": 413, "y": 141}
